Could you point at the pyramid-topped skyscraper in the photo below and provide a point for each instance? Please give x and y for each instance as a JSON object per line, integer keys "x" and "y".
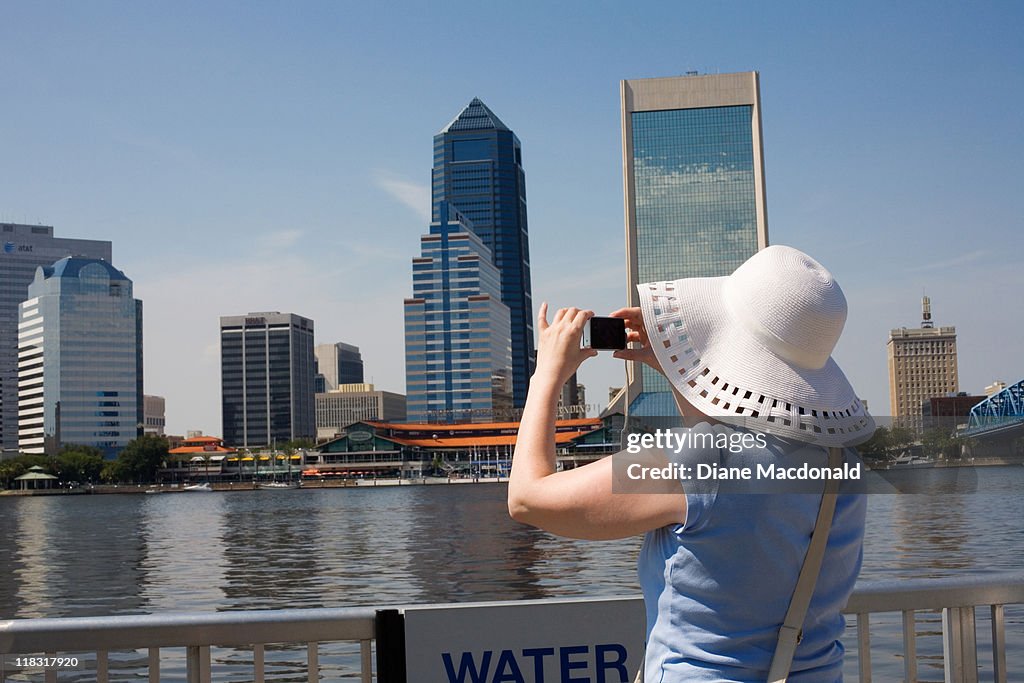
{"x": 478, "y": 170}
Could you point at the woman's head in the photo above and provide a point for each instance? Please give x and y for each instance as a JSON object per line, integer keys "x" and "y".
{"x": 755, "y": 347}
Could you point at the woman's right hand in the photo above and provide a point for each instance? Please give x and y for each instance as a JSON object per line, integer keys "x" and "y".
{"x": 637, "y": 333}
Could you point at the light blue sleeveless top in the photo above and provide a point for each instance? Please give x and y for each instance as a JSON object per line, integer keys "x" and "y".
{"x": 717, "y": 587}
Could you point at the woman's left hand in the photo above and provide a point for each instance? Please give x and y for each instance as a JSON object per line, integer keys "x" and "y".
{"x": 558, "y": 347}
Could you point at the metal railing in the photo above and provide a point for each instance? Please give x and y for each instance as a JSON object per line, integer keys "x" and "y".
{"x": 956, "y": 598}
{"x": 196, "y": 633}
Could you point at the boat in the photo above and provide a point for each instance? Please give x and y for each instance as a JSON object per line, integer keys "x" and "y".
{"x": 199, "y": 488}
{"x": 278, "y": 485}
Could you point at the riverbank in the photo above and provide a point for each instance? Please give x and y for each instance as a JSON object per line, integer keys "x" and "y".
{"x": 105, "y": 489}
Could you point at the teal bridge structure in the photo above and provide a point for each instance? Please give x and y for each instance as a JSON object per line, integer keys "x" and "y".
{"x": 1001, "y": 413}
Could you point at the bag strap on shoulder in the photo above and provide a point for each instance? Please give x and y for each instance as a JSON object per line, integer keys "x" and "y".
{"x": 791, "y": 634}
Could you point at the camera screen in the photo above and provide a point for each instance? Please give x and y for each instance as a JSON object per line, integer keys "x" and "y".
{"x": 606, "y": 333}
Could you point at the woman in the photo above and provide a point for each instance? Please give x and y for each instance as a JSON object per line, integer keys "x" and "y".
{"x": 748, "y": 352}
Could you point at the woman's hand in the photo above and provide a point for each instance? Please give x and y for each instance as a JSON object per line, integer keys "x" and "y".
{"x": 636, "y": 332}
{"x": 558, "y": 346}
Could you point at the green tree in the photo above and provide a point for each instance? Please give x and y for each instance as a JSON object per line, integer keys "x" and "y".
{"x": 14, "y": 467}
{"x": 887, "y": 443}
{"x": 79, "y": 463}
{"x": 900, "y": 439}
{"x": 942, "y": 442}
{"x": 877, "y": 447}
{"x": 141, "y": 458}
{"x": 290, "y": 447}
{"x": 113, "y": 471}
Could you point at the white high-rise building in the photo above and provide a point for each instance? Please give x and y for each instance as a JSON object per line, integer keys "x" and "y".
{"x": 79, "y": 359}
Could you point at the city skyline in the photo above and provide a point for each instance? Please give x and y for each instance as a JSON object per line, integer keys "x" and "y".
{"x": 242, "y": 174}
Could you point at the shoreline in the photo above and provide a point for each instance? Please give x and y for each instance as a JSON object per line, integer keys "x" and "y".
{"x": 220, "y": 487}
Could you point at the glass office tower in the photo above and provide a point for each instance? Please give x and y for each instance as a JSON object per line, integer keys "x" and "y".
{"x": 694, "y": 192}
{"x": 478, "y": 169}
{"x": 79, "y": 350}
{"x": 23, "y": 248}
{"x": 337, "y": 364}
{"x": 458, "y": 360}
{"x": 267, "y": 369}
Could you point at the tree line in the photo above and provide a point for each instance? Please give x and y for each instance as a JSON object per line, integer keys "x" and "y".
{"x": 137, "y": 463}
{"x": 74, "y": 464}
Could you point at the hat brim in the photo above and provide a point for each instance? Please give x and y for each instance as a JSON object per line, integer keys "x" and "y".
{"x": 726, "y": 373}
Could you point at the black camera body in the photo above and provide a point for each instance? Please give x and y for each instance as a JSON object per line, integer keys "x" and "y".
{"x": 605, "y": 333}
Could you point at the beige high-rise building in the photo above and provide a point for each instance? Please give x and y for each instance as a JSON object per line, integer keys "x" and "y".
{"x": 995, "y": 387}
{"x": 350, "y": 403}
{"x": 922, "y": 365}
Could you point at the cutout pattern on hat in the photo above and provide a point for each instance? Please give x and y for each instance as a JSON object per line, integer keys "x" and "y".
{"x": 716, "y": 395}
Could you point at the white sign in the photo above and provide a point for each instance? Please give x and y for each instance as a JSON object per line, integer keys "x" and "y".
{"x": 549, "y": 641}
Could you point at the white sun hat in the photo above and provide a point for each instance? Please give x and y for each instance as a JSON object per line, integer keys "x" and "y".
{"x": 755, "y": 347}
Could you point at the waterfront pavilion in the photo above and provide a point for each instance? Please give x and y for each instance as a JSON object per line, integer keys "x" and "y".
{"x": 35, "y": 478}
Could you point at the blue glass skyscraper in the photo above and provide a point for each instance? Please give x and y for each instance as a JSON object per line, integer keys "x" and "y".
{"x": 478, "y": 169}
{"x": 457, "y": 354}
{"x": 694, "y": 193}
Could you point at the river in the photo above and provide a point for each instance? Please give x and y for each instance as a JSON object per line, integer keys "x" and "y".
{"x": 130, "y": 554}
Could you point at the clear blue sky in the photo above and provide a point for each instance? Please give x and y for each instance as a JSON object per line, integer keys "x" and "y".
{"x": 276, "y": 156}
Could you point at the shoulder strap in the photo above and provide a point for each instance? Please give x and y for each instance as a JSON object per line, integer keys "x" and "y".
{"x": 790, "y": 634}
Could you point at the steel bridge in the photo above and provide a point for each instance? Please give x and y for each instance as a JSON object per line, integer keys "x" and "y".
{"x": 1001, "y": 412}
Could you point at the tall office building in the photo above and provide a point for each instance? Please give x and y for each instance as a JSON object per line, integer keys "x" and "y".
{"x": 154, "y": 414}
{"x": 694, "y": 193}
{"x": 922, "y": 365}
{"x": 338, "y": 364}
{"x": 458, "y": 361}
{"x": 266, "y": 369}
{"x": 348, "y": 403}
{"x": 79, "y": 351}
{"x": 24, "y": 248}
{"x": 478, "y": 169}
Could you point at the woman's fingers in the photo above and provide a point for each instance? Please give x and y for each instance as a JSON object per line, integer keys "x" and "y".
{"x": 581, "y": 318}
{"x": 542, "y": 317}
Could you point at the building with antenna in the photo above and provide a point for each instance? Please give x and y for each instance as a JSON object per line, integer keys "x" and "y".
{"x": 922, "y": 366}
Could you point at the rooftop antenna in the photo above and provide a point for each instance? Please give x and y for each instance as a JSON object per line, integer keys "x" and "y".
{"x": 926, "y": 313}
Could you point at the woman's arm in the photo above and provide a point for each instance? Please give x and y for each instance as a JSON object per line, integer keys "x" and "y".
{"x": 579, "y": 503}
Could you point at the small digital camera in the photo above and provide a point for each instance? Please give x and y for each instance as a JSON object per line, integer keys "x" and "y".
{"x": 605, "y": 334}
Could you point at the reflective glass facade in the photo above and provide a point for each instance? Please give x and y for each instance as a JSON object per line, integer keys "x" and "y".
{"x": 337, "y": 364}
{"x": 79, "y": 350}
{"x": 694, "y": 174}
{"x": 267, "y": 371}
{"x": 23, "y": 248}
{"x": 458, "y": 358}
{"x": 478, "y": 169}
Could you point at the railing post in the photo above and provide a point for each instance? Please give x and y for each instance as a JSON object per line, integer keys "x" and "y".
{"x": 197, "y": 661}
{"x": 366, "y": 661}
{"x": 998, "y": 644}
{"x": 154, "y": 665}
{"x": 50, "y": 673}
{"x": 257, "y": 663}
{"x": 909, "y": 647}
{"x": 864, "y": 647}
{"x": 312, "y": 662}
{"x": 959, "y": 645}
